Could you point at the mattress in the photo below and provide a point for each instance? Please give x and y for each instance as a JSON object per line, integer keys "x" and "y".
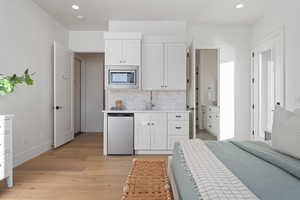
{"x": 268, "y": 174}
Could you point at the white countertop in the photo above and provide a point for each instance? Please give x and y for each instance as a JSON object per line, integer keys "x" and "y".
{"x": 145, "y": 111}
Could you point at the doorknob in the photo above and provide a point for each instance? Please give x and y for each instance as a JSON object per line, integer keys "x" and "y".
{"x": 58, "y": 107}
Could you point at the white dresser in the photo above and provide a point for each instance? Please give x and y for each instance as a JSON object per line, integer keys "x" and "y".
{"x": 6, "y": 154}
{"x": 213, "y": 120}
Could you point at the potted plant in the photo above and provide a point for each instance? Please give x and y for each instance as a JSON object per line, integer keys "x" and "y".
{"x": 8, "y": 83}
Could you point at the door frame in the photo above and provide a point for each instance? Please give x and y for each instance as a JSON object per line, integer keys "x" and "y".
{"x": 274, "y": 41}
{"x": 82, "y": 93}
{"x": 193, "y": 49}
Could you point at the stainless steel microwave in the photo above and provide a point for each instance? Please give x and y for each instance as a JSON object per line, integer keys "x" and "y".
{"x": 122, "y": 77}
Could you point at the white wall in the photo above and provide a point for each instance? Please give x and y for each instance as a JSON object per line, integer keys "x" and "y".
{"x": 86, "y": 41}
{"x": 284, "y": 14}
{"x": 150, "y": 28}
{"x": 235, "y": 44}
{"x": 27, "y": 36}
{"x": 94, "y": 95}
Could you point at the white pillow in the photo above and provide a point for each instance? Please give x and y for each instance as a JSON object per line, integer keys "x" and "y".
{"x": 286, "y": 132}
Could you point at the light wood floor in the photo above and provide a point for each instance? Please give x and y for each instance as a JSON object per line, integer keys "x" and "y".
{"x": 76, "y": 171}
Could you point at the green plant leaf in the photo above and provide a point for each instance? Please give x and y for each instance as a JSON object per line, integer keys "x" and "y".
{"x": 8, "y": 83}
{"x": 28, "y": 79}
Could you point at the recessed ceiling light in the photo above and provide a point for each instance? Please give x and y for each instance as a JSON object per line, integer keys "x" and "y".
{"x": 80, "y": 17}
{"x": 239, "y": 6}
{"x": 75, "y": 7}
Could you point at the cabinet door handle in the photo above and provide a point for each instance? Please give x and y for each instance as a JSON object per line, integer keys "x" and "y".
{"x": 178, "y": 127}
{"x": 178, "y": 116}
{"x": 149, "y": 124}
{"x": 152, "y": 124}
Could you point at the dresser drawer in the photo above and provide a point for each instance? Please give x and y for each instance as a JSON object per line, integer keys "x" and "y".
{"x": 180, "y": 128}
{"x": 5, "y": 126}
{"x": 174, "y": 139}
{"x": 183, "y": 116}
{"x": 4, "y": 166}
{"x": 4, "y": 144}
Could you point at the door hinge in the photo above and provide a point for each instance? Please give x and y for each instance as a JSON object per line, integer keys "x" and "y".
{"x": 253, "y": 106}
{"x": 188, "y": 54}
{"x": 253, "y": 80}
{"x": 253, "y": 132}
{"x": 253, "y": 54}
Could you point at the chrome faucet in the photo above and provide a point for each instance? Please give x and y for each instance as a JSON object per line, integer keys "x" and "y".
{"x": 150, "y": 105}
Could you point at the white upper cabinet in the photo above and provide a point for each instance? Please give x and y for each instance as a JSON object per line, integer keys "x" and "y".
{"x": 113, "y": 52}
{"x": 123, "y": 52}
{"x": 131, "y": 52}
{"x": 164, "y": 66}
{"x": 153, "y": 66}
{"x": 175, "y": 66}
{"x": 122, "y": 48}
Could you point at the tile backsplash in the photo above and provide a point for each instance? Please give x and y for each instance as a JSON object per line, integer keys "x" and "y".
{"x": 140, "y": 100}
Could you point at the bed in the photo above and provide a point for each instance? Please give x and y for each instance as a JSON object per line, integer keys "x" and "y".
{"x": 266, "y": 173}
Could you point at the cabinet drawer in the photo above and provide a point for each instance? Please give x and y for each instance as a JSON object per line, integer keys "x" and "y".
{"x": 178, "y": 128}
{"x": 178, "y": 116}
{"x": 4, "y": 166}
{"x": 174, "y": 139}
{"x": 5, "y": 126}
{"x": 4, "y": 144}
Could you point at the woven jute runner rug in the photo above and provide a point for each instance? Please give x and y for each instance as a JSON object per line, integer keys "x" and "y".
{"x": 147, "y": 180}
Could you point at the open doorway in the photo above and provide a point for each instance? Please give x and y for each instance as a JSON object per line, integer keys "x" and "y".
{"x": 89, "y": 92}
{"x": 211, "y": 94}
{"x": 207, "y": 109}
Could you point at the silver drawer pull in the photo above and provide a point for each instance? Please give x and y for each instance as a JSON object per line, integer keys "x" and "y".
{"x": 178, "y": 116}
{"x": 178, "y": 127}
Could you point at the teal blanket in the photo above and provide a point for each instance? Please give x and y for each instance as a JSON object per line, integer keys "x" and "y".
{"x": 263, "y": 151}
{"x": 268, "y": 174}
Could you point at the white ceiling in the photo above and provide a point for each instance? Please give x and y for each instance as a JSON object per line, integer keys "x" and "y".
{"x": 98, "y": 12}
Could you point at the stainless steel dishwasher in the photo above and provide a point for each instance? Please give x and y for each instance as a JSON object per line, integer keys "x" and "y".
{"x": 120, "y": 134}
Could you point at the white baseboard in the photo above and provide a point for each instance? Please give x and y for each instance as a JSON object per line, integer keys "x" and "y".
{"x": 32, "y": 153}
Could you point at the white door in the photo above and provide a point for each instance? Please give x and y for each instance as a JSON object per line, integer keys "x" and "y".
{"x": 153, "y": 66}
{"x": 175, "y": 66}
{"x": 142, "y": 131}
{"x": 131, "y": 52}
{"x": 158, "y": 133}
{"x": 268, "y": 83}
{"x": 63, "y": 95}
{"x": 113, "y": 52}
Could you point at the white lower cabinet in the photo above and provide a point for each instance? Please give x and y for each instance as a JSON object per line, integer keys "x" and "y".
{"x": 158, "y": 132}
{"x": 178, "y": 128}
{"x": 142, "y": 131}
{"x": 213, "y": 120}
{"x": 150, "y": 131}
{"x": 6, "y": 159}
